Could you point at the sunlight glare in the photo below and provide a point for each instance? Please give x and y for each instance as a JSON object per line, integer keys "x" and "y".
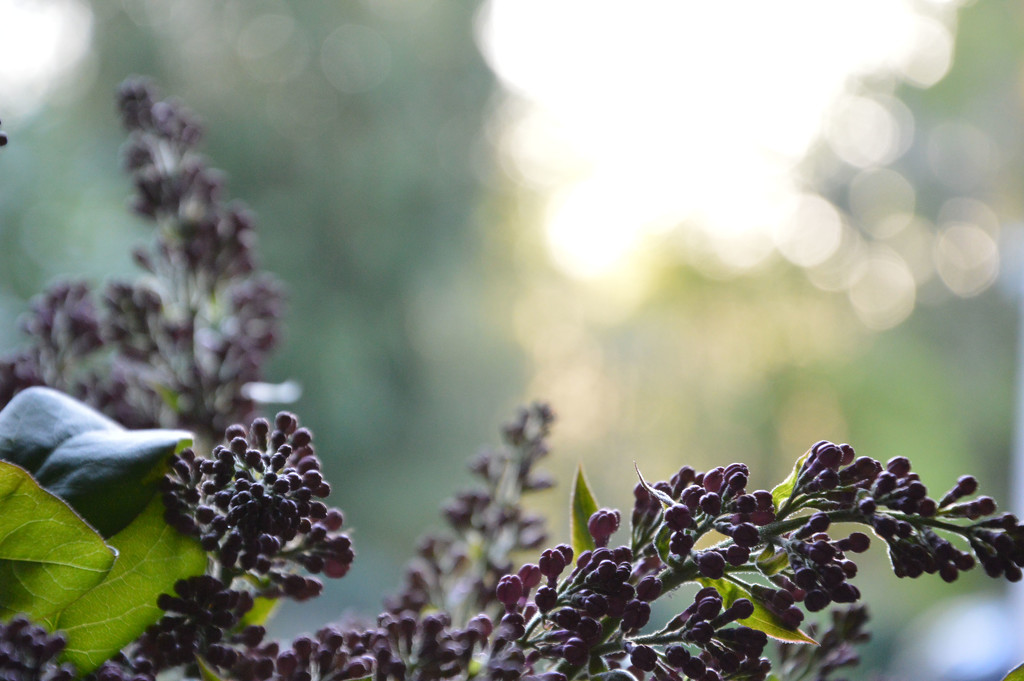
{"x": 40, "y": 42}
{"x": 701, "y": 113}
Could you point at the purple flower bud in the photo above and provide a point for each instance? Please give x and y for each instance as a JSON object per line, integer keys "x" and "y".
{"x": 649, "y": 588}
{"x": 678, "y": 517}
{"x": 602, "y": 525}
{"x": 746, "y": 535}
{"x": 711, "y": 564}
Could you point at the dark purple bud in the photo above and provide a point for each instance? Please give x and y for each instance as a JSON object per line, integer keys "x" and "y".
{"x": 829, "y": 456}
{"x": 713, "y": 479}
{"x": 741, "y": 609}
{"x": 711, "y": 564}
{"x": 649, "y": 588}
{"x": 898, "y": 466}
{"x": 680, "y": 543}
{"x": 737, "y": 555}
{"x": 530, "y": 575}
{"x": 644, "y": 658}
{"x": 711, "y": 503}
{"x": 678, "y": 517}
{"x": 746, "y": 535}
{"x": 575, "y": 651}
{"x": 545, "y": 598}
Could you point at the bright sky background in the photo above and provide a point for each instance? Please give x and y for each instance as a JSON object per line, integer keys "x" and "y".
{"x": 634, "y": 119}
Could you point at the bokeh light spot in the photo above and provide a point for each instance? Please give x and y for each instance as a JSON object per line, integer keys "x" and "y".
{"x": 812, "y": 234}
{"x": 882, "y": 200}
{"x": 960, "y": 155}
{"x": 882, "y": 289}
{"x": 355, "y": 59}
{"x": 864, "y": 132}
{"x": 967, "y": 259}
{"x": 273, "y": 48}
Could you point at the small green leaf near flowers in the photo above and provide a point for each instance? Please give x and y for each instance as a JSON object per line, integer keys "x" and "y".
{"x": 583, "y": 505}
{"x": 784, "y": 489}
{"x": 762, "y": 619}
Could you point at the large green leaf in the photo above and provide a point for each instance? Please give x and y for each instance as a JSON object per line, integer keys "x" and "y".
{"x": 49, "y": 556}
{"x": 762, "y": 619}
{"x": 37, "y": 420}
{"x": 1016, "y": 675}
{"x": 107, "y": 474}
{"x": 583, "y": 506}
{"x": 784, "y": 489}
{"x": 152, "y": 557}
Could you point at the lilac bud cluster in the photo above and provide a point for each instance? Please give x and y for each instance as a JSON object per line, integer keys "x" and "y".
{"x": 820, "y": 565}
{"x": 490, "y": 517}
{"x": 65, "y": 328}
{"x": 400, "y": 647}
{"x": 28, "y": 653}
{"x": 200, "y": 331}
{"x": 893, "y": 500}
{"x": 724, "y": 651}
{"x": 202, "y": 618}
{"x": 835, "y": 650}
{"x": 255, "y": 506}
{"x": 695, "y": 503}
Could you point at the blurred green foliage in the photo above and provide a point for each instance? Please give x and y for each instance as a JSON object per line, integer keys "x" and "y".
{"x": 422, "y": 307}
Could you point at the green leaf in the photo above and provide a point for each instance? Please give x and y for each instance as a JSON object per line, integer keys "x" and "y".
{"x": 152, "y": 557}
{"x": 762, "y": 619}
{"x": 583, "y": 506}
{"x": 37, "y": 420}
{"x": 262, "y": 609}
{"x": 109, "y": 476}
{"x": 106, "y": 473}
{"x": 784, "y": 489}
{"x": 206, "y": 670}
{"x": 1016, "y": 675}
{"x": 49, "y": 556}
{"x": 665, "y": 499}
{"x": 662, "y": 541}
{"x": 771, "y": 561}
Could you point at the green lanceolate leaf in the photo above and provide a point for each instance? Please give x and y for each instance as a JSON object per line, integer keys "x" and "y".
{"x": 206, "y": 670}
{"x": 665, "y": 499}
{"x": 1016, "y": 675}
{"x": 762, "y": 619}
{"x": 583, "y": 506}
{"x": 784, "y": 489}
{"x": 49, "y": 556}
{"x": 106, "y": 473}
{"x": 771, "y": 561}
{"x": 662, "y": 541}
{"x": 152, "y": 557}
